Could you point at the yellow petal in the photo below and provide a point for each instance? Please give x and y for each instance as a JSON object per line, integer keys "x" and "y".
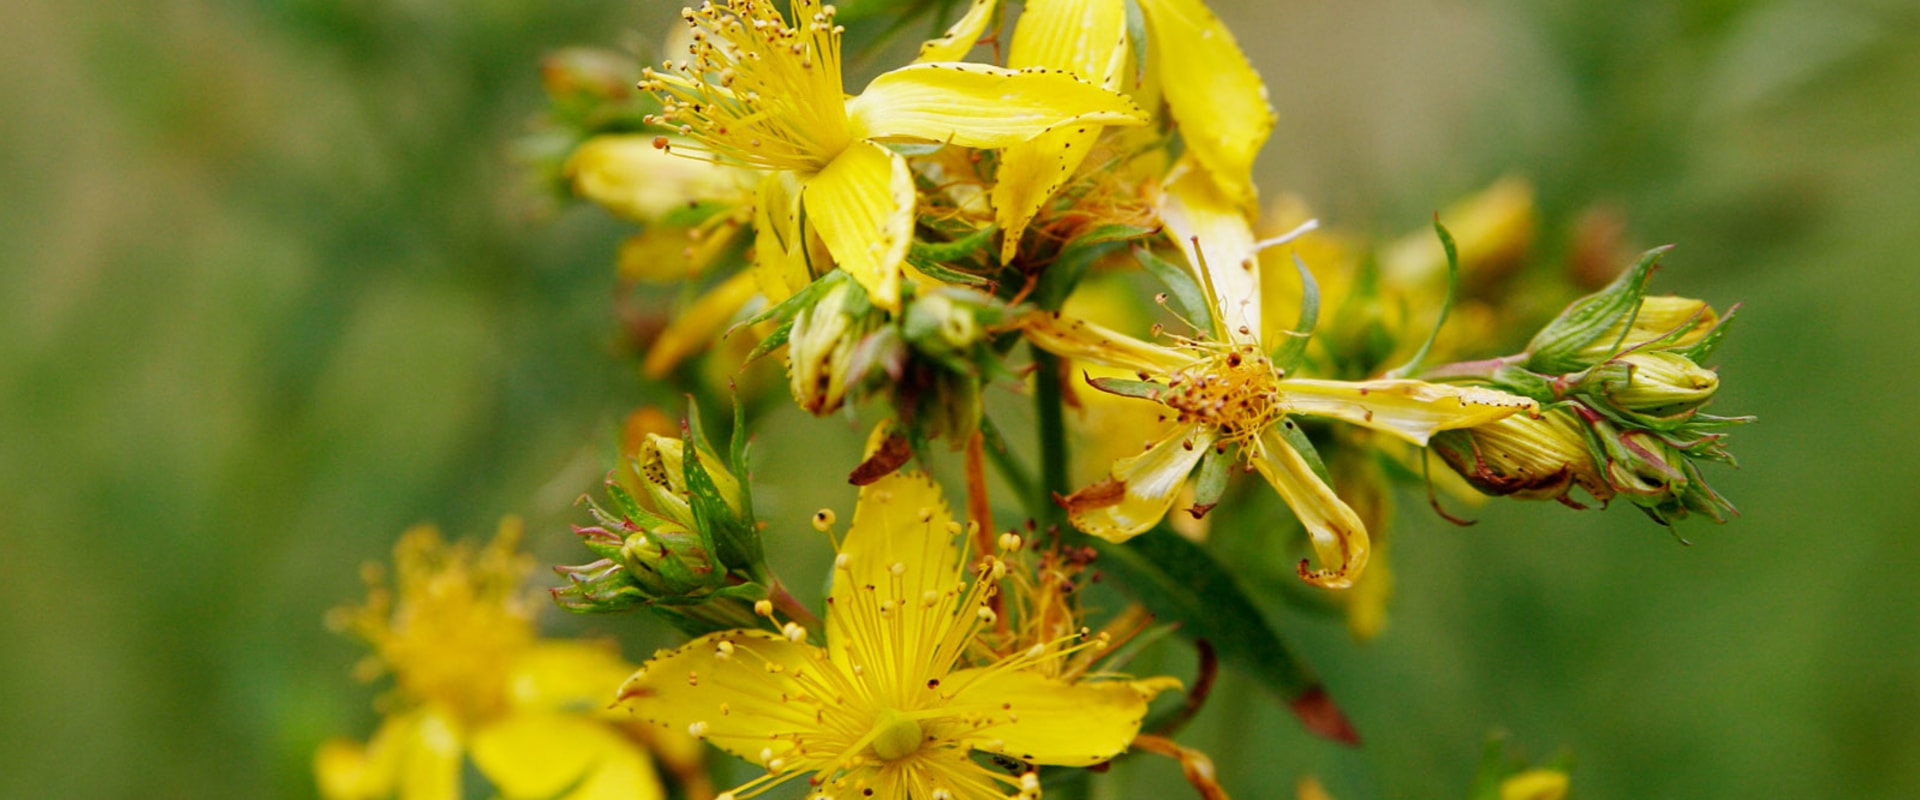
{"x": 1079, "y": 339}
{"x": 1197, "y": 210}
{"x": 1411, "y": 410}
{"x": 348, "y": 770}
{"x": 902, "y": 544}
{"x": 1339, "y": 537}
{"x": 954, "y": 44}
{"x": 1217, "y": 99}
{"x": 862, "y": 206}
{"x": 1030, "y": 173}
{"x": 976, "y": 105}
{"x": 566, "y": 675}
{"x": 1085, "y": 37}
{"x": 545, "y": 754}
{"x": 748, "y": 675}
{"x": 429, "y": 760}
{"x": 779, "y": 245}
{"x": 695, "y": 328}
{"x": 1048, "y": 721}
{"x": 1143, "y": 487}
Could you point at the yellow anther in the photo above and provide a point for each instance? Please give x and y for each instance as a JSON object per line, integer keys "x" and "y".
{"x": 823, "y": 520}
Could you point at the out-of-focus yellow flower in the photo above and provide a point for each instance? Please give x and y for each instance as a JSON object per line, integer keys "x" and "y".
{"x": 474, "y": 682}
{"x": 1535, "y": 784}
{"x": 628, "y": 175}
{"x": 764, "y": 94}
{"x": 891, "y": 707}
{"x": 1227, "y": 392}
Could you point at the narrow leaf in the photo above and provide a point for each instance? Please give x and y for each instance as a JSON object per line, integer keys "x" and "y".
{"x": 1180, "y": 286}
{"x": 1287, "y": 354}
{"x": 1182, "y": 583}
{"x": 1446, "y": 306}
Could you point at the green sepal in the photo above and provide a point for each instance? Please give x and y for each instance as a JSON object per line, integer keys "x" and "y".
{"x": 960, "y": 249}
{"x": 1287, "y": 354}
{"x": 808, "y": 295}
{"x": 734, "y": 539}
{"x": 1446, "y": 306}
{"x": 1555, "y": 349}
{"x": 1291, "y": 432}
{"x": 1210, "y": 481}
{"x": 1180, "y": 286}
{"x": 774, "y": 341}
{"x": 1700, "y": 351}
{"x": 946, "y": 274}
{"x": 1125, "y": 387}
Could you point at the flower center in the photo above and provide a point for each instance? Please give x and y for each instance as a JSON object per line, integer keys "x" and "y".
{"x": 1237, "y": 392}
{"x": 896, "y": 736}
{"x": 758, "y": 91}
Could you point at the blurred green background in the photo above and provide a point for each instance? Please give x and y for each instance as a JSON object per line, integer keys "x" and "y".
{"x": 272, "y": 289}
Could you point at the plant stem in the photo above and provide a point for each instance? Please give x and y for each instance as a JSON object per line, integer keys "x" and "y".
{"x": 1053, "y": 438}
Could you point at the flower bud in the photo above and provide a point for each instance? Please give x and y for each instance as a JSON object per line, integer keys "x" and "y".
{"x": 942, "y": 321}
{"x": 822, "y": 346}
{"x": 660, "y": 464}
{"x": 1526, "y": 457}
{"x": 1658, "y": 383}
{"x": 670, "y": 563}
{"x": 1657, "y": 318}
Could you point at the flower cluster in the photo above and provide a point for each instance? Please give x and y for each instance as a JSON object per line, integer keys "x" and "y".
{"x": 957, "y": 227}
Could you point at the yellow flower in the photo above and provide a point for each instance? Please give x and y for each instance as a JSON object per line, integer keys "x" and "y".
{"x": 761, "y": 93}
{"x": 1193, "y": 64}
{"x": 473, "y": 681}
{"x": 1227, "y": 392}
{"x": 892, "y": 706}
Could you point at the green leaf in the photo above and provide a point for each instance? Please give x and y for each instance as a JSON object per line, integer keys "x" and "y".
{"x": 1180, "y": 286}
{"x": 1446, "y": 306}
{"x": 1073, "y": 260}
{"x": 1287, "y": 354}
{"x": 1181, "y": 583}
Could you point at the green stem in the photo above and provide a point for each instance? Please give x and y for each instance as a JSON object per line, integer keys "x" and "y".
{"x": 1053, "y": 438}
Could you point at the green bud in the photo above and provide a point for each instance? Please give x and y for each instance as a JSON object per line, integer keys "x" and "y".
{"x": 660, "y": 465}
{"x": 822, "y": 346}
{"x": 1680, "y": 321}
{"x": 671, "y": 564}
{"x": 1657, "y": 383}
{"x": 1585, "y": 323}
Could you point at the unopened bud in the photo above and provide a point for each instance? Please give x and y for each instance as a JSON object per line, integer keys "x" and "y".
{"x": 1685, "y": 319}
{"x": 822, "y": 344}
{"x": 1658, "y": 383}
{"x": 660, "y": 464}
{"x": 1525, "y": 457}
